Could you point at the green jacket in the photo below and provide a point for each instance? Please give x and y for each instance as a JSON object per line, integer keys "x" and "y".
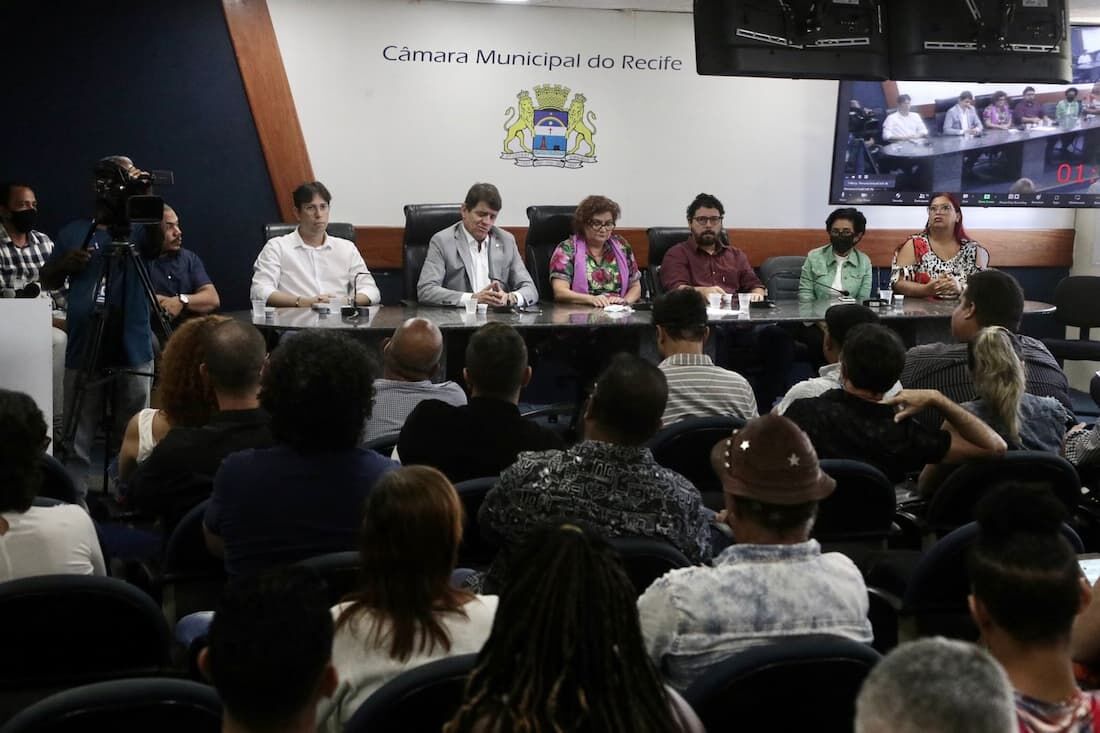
{"x": 819, "y": 271}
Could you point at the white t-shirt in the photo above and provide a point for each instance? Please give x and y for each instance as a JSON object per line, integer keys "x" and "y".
{"x": 291, "y": 266}
{"x": 47, "y": 541}
{"x": 898, "y": 125}
{"x": 362, "y": 665}
{"x": 838, "y": 281}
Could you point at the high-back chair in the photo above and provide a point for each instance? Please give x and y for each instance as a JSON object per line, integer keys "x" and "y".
{"x": 645, "y": 559}
{"x": 685, "y": 446}
{"x": 422, "y": 221}
{"x": 422, "y": 699}
{"x": 343, "y": 230}
{"x": 780, "y": 276}
{"x": 661, "y": 240}
{"x": 547, "y": 227}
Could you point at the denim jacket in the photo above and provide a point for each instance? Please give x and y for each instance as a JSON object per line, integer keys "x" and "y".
{"x": 694, "y": 618}
{"x": 819, "y": 271}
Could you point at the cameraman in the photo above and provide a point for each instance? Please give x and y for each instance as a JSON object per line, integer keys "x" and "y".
{"x": 127, "y": 339}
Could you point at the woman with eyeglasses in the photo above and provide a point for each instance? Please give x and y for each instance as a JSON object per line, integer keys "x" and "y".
{"x": 936, "y": 262}
{"x": 595, "y": 266}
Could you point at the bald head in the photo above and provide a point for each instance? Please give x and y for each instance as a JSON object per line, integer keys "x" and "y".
{"x": 414, "y": 351}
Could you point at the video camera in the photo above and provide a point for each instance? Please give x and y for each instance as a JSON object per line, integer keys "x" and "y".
{"x": 123, "y": 199}
{"x": 863, "y": 121}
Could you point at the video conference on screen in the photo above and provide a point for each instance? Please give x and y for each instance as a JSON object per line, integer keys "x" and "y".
{"x": 1052, "y": 161}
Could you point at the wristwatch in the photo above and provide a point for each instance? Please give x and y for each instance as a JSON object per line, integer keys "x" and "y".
{"x": 184, "y": 299}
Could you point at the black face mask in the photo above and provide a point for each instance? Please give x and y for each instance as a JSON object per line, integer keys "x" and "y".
{"x": 842, "y": 243}
{"x": 23, "y": 220}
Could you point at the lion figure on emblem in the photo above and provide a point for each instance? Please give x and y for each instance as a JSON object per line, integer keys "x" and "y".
{"x": 525, "y": 121}
{"x": 577, "y": 125}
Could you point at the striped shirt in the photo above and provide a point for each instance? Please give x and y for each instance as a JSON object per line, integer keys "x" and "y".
{"x": 944, "y": 367}
{"x": 21, "y": 265}
{"x": 698, "y": 388}
{"x": 394, "y": 399}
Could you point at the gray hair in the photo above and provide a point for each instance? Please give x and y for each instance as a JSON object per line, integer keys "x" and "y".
{"x": 937, "y": 685}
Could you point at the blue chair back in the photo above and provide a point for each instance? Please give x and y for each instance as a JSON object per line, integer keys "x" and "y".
{"x": 475, "y": 551}
{"x": 685, "y": 448}
{"x": 645, "y": 559}
{"x": 56, "y": 481}
{"x": 861, "y": 509}
{"x": 422, "y": 699}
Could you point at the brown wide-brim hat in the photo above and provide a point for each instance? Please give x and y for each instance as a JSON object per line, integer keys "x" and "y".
{"x": 771, "y": 460}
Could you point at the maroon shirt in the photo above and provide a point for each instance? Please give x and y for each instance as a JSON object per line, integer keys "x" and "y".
{"x": 728, "y": 268}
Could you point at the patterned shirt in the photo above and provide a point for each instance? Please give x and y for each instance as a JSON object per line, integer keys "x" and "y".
{"x": 603, "y": 276}
{"x": 21, "y": 265}
{"x": 994, "y": 115}
{"x": 1083, "y": 446}
{"x": 1079, "y": 714}
{"x": 394, "y": 399}
{"x": 694, "y": 618}
{"x": 944, "y": 367}
{"x": 842, "y": 425}
{"x": 698, "y": 388}
{"x": 617, "y": 488}
{"x": 928, "y": 264}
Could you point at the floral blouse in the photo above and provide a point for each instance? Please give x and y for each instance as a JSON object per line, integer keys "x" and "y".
{"x": 603, "y": 276}
{"x": 971, "y": 258}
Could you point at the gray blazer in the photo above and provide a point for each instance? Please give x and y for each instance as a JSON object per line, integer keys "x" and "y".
{"x": 444, "y": 279}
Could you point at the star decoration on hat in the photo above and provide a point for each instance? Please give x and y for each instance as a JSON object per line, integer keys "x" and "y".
{"x": 744, "y": 445}
{"x": 793, "y": 460}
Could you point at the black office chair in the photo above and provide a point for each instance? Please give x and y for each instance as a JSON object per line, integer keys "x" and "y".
{"x": 422, "y": 221}
{"x": 661, "y": 240}
{"x": 191, "y": 579}
{"x": 860, "y": 509}
{"x": 343, "y": 230}
{"x": 422, "y": 699}
{"x": 952, "y": 505}
{"x": 341, "y": 572}
{"x": 476, "y": 550}
{"x": 757, "y": 683}
{"x": 780, "y": 276}
{"x": 1077, "y": 305}
{"x": 934, "y": 602}
{"x": 685, "y": 448}
{"x": 646, "y": 559}
{"x": 67, "y": 630}
{"x": 57, "y": 483}
{"x": 384, "y": 444}
{"x": 547, "y": 227}
{"x": 882, "y": 612}
{"x": 125, "y": 706}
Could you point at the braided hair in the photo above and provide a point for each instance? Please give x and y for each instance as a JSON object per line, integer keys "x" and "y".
{"x": 566, "y": 651}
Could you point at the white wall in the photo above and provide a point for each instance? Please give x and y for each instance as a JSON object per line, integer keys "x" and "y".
{"x": 385, "y": 133}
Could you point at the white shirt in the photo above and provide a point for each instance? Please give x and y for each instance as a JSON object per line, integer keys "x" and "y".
{"x": 479, "y": 278}
{"x": 363, "y": 664}
{"x": 290, "y": 265}
{"x": 48, "y": 541}
{"x": 898, "y": 126}
{"x": 829, "y": 378}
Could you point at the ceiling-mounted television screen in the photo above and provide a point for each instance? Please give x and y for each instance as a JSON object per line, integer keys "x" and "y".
{"x": 1003, "y": 144}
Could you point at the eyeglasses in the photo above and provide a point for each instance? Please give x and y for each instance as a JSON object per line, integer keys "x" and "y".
{"x": 598, "y": 225}
{"x": 707, "y": 220}
{"x": 841, "y": 232}
{"x": 941, "y": 208}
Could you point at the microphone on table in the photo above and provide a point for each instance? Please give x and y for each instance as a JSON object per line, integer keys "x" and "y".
{"x": 351, "y": 310}
{"x": 839, "y": 291}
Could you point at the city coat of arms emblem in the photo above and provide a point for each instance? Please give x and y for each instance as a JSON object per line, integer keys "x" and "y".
{"x": 551, "y": 134}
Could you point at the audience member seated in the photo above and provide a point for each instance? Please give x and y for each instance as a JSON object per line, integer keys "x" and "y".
{"x": 485, "y": 436}
{"x": 186, "y": 399}
{"x": 179, "y": 473}
{"x": 36, "y": 540}
{"x": 610, "y": 480}
{"x": 855, "y": 422}
{"x": 707, "y": 261}
{"x": 269, "y": 652}
{"x": 991, "y": 298}
{"x": 463, "y": 264}
{"x": 405, "y": 613}
{"x": 1026, "y": 591}
{"x": 696, "y": 387}
{"x": 410, "y": 358}
{"x": 595, "y": 266}
{"x": 938, "y": 261}
{"x": 179, "y": 278}
{"x": 1082, "y": 446}
{"x": 902, "y": 125}
{"x": 308, "y": 266}
{"x": 304, "y": 496}
{"x": 837, "y": 265}
{"x": 774, "y": 582}
{"x": 936, "y": 685}
{"x": 839, "y": 319}
{"x": 565, "y": 652}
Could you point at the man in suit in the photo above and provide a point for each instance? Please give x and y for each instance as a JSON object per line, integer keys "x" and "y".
{"x": 475, "y": 260}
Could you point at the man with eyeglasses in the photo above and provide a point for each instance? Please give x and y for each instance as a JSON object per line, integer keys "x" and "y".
{"x": 707, "y": 261}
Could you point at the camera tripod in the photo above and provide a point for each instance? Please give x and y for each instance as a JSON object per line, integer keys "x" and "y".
{"x": 117, "y": 261}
